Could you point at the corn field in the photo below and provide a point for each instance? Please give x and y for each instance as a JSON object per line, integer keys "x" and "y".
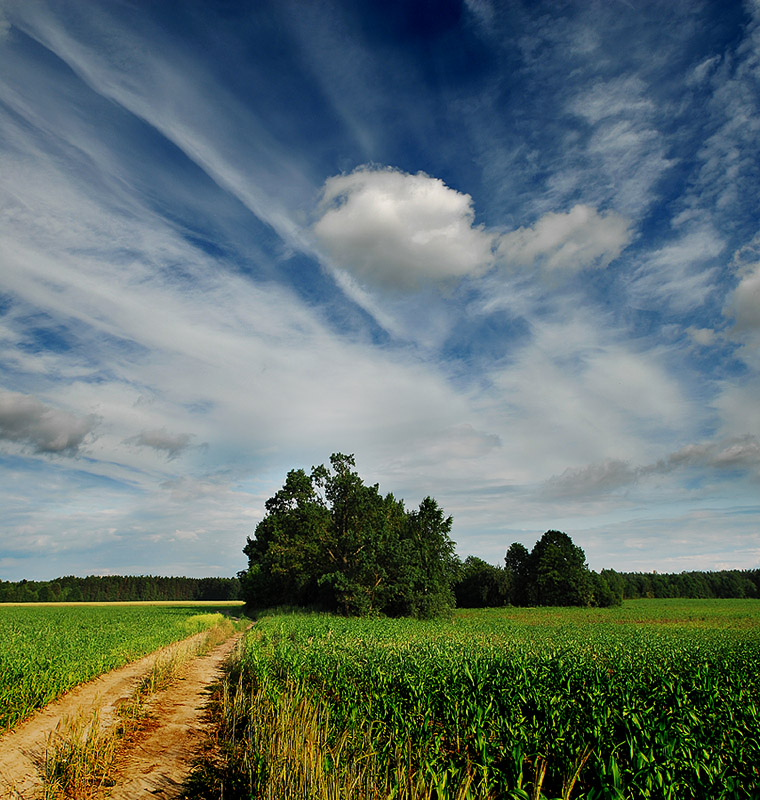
{"x": 659, "y": 699}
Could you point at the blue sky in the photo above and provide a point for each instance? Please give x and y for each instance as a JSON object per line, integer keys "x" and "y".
{"x": 507, "y": 254}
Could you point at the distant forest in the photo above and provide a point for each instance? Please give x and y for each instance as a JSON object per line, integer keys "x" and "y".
{"x": 109, "y": 588}
{"x": 480, "y": 584}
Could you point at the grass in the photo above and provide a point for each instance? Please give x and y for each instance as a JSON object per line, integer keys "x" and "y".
{"x": 657, "y": 699}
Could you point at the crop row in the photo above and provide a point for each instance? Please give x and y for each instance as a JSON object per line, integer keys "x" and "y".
{"x": 509, "y": 703}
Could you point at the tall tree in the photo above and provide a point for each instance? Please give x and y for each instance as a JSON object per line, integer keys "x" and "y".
{"x": 559, "y": 571}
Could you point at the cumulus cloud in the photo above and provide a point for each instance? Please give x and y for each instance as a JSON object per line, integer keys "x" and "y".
{"x": 396, "y": 230}
{"x": 567, "y": 243}
{"x": 173, "y": 444}
{"x": 737, "y": 453}
{"x": 399, "y": 231}
{"x": 24, "y": 419}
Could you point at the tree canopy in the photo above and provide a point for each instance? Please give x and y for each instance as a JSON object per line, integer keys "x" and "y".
{"x": 331, "y": 541}
{"x": 554, "y": 573}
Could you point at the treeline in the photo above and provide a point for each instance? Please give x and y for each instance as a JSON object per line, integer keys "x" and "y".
{"x": 724, "y": 583}
{"x": 110, "y": 588}
{"x": 482, "y": 585}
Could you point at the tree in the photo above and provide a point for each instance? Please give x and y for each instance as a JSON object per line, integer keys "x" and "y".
{"x": 554, "y": 573}
{"x": 517, "y": 567}
{"x": 427, "y": 568}
{"x": 284, "y": 560}
{"x": 330, "y": 540}
{"x": 559, "y": 571}
{"x": 605, "y": 591}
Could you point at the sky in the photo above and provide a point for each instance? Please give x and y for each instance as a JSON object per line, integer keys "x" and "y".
{"x": 505, "y": 253}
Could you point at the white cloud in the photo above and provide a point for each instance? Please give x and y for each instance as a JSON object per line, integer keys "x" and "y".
{"x": 396, "y": 230}
{"x": 676, "y": 541}
{"x": 567, "y": 243}
{"x": 614, "y": 98}
{"x": 679, "y": 274}
{"x": 400, "y": 231}
{"x": 24, "y": 419}
{"x": 625, "y": 154}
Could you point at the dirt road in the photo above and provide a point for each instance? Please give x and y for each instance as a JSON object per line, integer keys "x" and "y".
{"x": 158, "y": 761}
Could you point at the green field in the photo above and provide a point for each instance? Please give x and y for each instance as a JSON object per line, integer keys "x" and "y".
{"x": 46, "y": 649}
{"x": 657, "y": 699}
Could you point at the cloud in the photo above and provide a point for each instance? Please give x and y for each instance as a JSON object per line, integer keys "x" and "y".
{"x": 396, "y": 230}
{"x": 624, "y": 154}
{"x": 567, "y": 243}
{"x": 607, "y": 476}
{"x": 679, "y": 274}
{"x": 170, "y": 443}
{"x": 26, "y": 420}
{"x": 702, "y": 336}
{"x": 399, "y": 231}
{"x": 741, "y": 452}
{"x": 744, "y": 305}
{"x": 737, "y": 453}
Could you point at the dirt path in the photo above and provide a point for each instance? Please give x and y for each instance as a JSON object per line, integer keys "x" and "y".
{"x": 159, "y": 761}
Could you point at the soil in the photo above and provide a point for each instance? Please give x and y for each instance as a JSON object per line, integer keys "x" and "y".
{"x": 155, "y": 764}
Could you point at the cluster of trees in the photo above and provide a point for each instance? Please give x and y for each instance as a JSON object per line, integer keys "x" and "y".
{"x": 118, "y": 587}
{"x": 553, "y": 573}
{"x": 330, "y": 541}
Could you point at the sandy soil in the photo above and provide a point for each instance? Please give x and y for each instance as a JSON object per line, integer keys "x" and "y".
{"x": 158, "y": 761}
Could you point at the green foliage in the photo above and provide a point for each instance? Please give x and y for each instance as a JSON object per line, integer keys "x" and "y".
{"x": 330, "y": 541}
{"x": 555, "y": 573}
{"x": 122, "y": 588}
{"x": 480, "y": 585}
{"x": 45, "y": 651}
{"x": 653, "y": 699}
{"x": 721, "y": 584}
{"x": 559, "y": 572}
